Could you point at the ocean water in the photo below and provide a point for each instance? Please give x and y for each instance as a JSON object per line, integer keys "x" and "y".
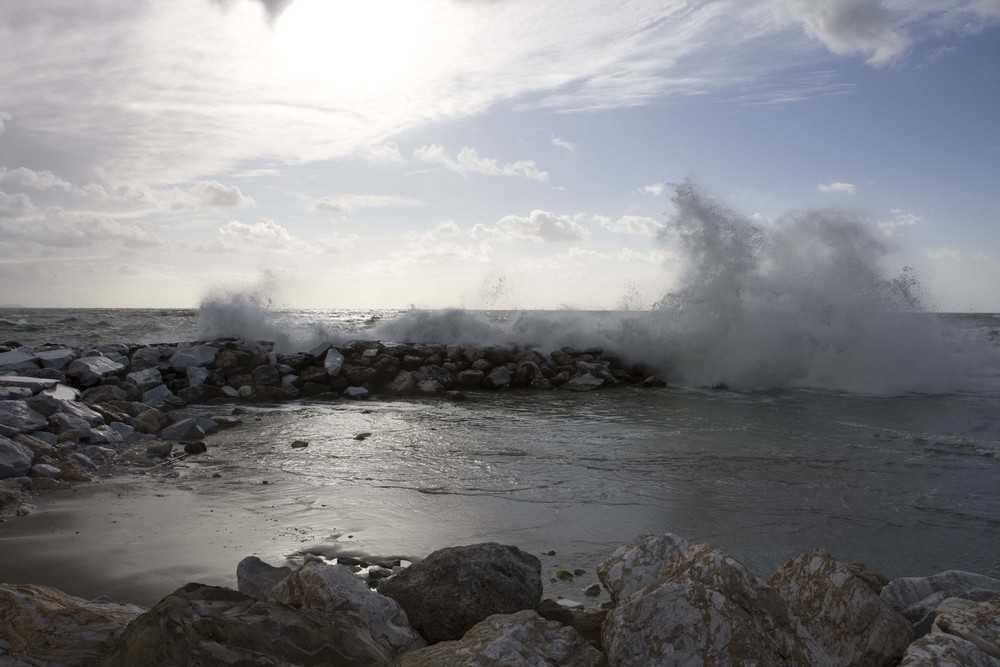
{"x": 812, "y": 401}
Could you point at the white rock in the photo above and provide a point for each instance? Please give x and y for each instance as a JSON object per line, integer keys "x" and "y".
{"x": 939, "y": 649}
{"x": 335, "y": 589}
{"x": 641, "y": 562}
{"x": 333, "y": 362}
{"x": 977, "y": 622}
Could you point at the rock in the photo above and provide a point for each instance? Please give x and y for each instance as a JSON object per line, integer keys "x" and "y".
{"x": 209, "y": 625}
{"x": 150, "y": 420}
{"x": 18, "y": 360}
{"x": 193, "y": 355}
{"x": 20, "y": 418}
{"x": 58, "y": 358}
{"x": 33, "y": 385}
{"x": 256, "y": 578}
{"x": 977, "y": 622}
{"x": 44, "y": 626}
{"x": 160, "y": 448}
{"x": 148, "y": 357}
{"x": 299, "y": 444}
{"x": 707, "y": 609}
{"x": 523, "y": 638}
{"x": 402, "y": 383}
{"x": 453, "y": 589}
{"x": 470, "y": 379}
{"x": 38, "y": 447}
{"x": 587, "y": 622}
{"x": 81, "y": 410}
{"x": 195, "y": 448}
{"x": 915, "y": 597}
{"x": 105, "y": 393}
{"x": 498, "y": 378}
{"x": 585, "y": 382}
{"x": 15, "y": 458}
{"x": 593, "y": 590}
{"x": 939, "y": 649}
{"x": 45, "y": 470}
{"x": 197, "y": 375}
{"x": 266, "y": 376}
{"x": 186, "y": 429}
{"x": 332, "y": 588}
{"x": 159, "y": 396}
{"x": 146, "y": 379}
{"x": 13, "y": 496}
{"x": 333, "y": 362}
{"x": 73, "y": 472}
{"x": 357, "y": 393}
{"x": 15, "y": 394}
{"x": 430, "y": 387}
{"x": 91, "y": 371}
{"x": 842, "y": 611}
{"x": 639, "y": 563}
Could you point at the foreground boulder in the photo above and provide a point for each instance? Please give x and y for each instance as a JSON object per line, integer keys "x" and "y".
{"x": 455, "y": 588}
{"x": 256, "y": 578}
{"x": 976, "y": 622}
{"x": 351, "y": 604}
{"x": 939, "y": 649}
{"x": 842, "y": 610}
{"x": 211, "y": 626}
{"x": 916, "y": 597}
{"x": 641, "y": 562}
{"x": 523, "y": 638}
{"x": 707, "y": 609}
{"x": 44, "y": 626}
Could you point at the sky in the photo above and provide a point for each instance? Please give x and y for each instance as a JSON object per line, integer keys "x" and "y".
{"x": 480, "y": 153}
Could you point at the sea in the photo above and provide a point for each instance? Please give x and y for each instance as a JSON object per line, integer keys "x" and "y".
{"x": 811, "y": 400}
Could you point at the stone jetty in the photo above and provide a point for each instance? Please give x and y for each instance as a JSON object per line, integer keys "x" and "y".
{"x": 672, "y": 603}
{"x": 67, "y": 411}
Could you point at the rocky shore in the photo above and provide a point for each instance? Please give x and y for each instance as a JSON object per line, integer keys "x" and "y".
{"x": 72, "y": 413}
{"x": 672, "y": 603}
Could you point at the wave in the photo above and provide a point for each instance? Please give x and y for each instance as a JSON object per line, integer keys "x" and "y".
{"x": 806, "y": 302}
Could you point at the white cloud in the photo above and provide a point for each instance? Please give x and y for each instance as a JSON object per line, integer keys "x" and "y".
{"x": 850, "y": 26}
{"x": 387, "y": 152}
{"x": 264, "y": 231}
{"x": 447, "y": 228}
{"x": 627, "y": 255}
{"x": 39, "y": 180}
{"x": 15, "y": 205}
{"x": 562, "y": 143}
{"x": 212, "y": 194}
{"x": 541, "y": 226}
{"x": 846, "y": 188}
{"x": 469, "y": 161}
{"x": 655, "y": 189}
{"x": 899, "y": 219}
{"x": 632, "y": 224}
{"x": 348, "y": 203}
{"x": 62, "y": 229}
{"x": 952, "y": 254}
{"x": 4, "y": 117}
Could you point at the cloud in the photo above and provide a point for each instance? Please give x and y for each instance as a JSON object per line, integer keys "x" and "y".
{"x": 15, "y": 205}
{"x": 655, "y": 189}
{"x": 38, "y": 180}
{"x": 562, "y": 143}
{"x": 627, "y": 255}
{"x": 212, "y": 194}
{"x": 348, "y": 203}
{"x": 846, "y": 188}
{"x": 387, "y": 152}
{"x": 4, "y": 117}
{"x": 62, "y": 229}
{"x": 632, "y": 224}
{"x": 952, "y": 254}
{"x": 899, "y": 219}
{"x": 469, "y": 161}
{"x": 266, "y": 231}
{"x": 850, "y": 26}
{"x": 538, "y": 226}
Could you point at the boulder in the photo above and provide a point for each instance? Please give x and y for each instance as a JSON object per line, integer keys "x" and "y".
{"x": 707, "y": 609}
{"x": 197, "y": 375}
{"x": 33, "y": 385}
{"x": 44, "y": 626}
{"x": 256, "y": 578}
{"x": 15, "y": 458}
{"x": 18, "y": 417}
{"x": 977, "y": 622}
{"x": 91, "y": 371}
{"x": 587, "y": 622}
{"x": 523, "y": 638}
{"x": 357, "y": 393}
{"x": 453, "y": 589}
{"x": 150, "y": 420}
{"x": 641, "y": 562}
{"x": 585, "y": 382}
{"x": 498, "y": 378}
{"x": 403, "y": 383}
{"x": 915, "y": 597}
{"x": 148, "y": 357}
{"x": 186, "y": 429}
{"x": 159, "y": 396}
{"x": 38, "y": 447}
{"x": 842, "y": 611}
{"x": 335, "y": 590}
{"x": 939, "y": 649}
{"x": 209, "y": 625}
{"x": 333, "y": 362}
{"x": 192, "y": 355}
{"x": 146, "y": 379}
{"x": 470, "y": 379}
{"x": 82, "y": 411}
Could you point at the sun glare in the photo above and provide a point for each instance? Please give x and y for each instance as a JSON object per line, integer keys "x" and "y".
{"x": 354, "y": 48}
